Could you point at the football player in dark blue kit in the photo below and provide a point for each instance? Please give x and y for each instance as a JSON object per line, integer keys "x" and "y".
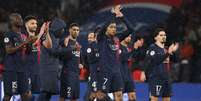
{"x": 125, "y": 55}
{"x": 49, "y": 64}
{"x": 15, "y": 75}
{"x": 69, "y": 80}
{"x": 32, "y": 54}
{"x": 108, "y": 42}
{"x": 91, "y": 60}
{"x": 90, "y": 56}
{"x": 155, "y": 66}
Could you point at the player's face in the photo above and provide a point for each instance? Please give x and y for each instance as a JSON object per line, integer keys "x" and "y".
{"x": 111, "y": 29}
{"x": 91, "y": 37}
{"x": 74, "y": 31}
{"x": 161, "y": 37}
{"x": 31, "y": 25}
{"x": 140, "y": 42}
{"x": 18, "y": 22}
{"x": 128, "y": 39}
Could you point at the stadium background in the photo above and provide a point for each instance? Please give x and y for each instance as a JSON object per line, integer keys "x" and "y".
{"x": 182, "y": 18}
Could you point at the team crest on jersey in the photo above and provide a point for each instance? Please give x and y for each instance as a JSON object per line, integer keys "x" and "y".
{"x": 88, "y": 50}
{"x": 76, "y": 53}
{"x": 152, "y": 53}
{"x": 6, "y": 40}
{"x": 97, "y": 54}
{"x": 113, "y": 47}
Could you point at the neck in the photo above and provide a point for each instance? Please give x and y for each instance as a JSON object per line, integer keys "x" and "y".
{"x": 162, "y": 45}
{"x": 16, "y": 30}
{"x": 31, "y": 33}
{"x": 74, "y": 39}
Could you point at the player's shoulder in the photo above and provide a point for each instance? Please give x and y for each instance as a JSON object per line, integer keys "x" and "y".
{"x": 9, "y": 34}
{"x": 151, "y": 50}
{"x": 152, "y": 46}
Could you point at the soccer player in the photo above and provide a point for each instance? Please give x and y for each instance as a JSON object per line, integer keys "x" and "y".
{"x": 108, "y": 43}
{"x": 15, "y": 76}
{"x": 91, "y": 60}
{"x": 32, "y": 53}
{"x": 49, "y": 64}
{"x": 155, "y": 66}
{"x": 125, "y": 55}
{"x": 69, "y": 80}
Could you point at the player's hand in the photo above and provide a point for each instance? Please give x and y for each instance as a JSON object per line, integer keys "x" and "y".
{"x": 135, "y": 45}
{"x": 43, "y": 30}
{"x": 142, "y": 76}
{"x": 176, "y": 46}
{"x": 173, "y": 47}
{"x": 117, "y": 10}
{"x": 77, "y": 47}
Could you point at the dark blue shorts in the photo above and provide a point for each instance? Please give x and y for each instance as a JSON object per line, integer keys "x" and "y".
{"x": 15, "y": 82}
{"x": 35, "y": 83}
{"x": 93, "y": 82}
{"x": 70, "y": 85}
{"x": 160, "y": 87}
{"x": 110, "y": 82}
{"x": 129, "y": 86}
{"x": 49, "y": 81}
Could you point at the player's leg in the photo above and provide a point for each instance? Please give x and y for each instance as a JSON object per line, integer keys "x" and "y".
{"x": 167, "y": 90}
{"x": 155, "y": 88}
{"x": 166, "y": 99}
{"x": 24, "y": 86}
{"x": 117, "y": 86}
{"x": 10, "y": 84}
{"x": 44, "y": 96}
{"x": 48, "y": 80}
{"x": 132, "y": 96}
{"x": 154, "y": 98}
{"x": 129, "y": 88}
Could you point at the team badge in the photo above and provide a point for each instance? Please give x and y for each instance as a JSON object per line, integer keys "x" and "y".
{"x": 152, "y": 53}
{"x": 89, "y": 50}
{"x": 6, "y": 40}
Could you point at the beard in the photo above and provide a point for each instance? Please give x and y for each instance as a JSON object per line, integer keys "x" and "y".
{"x": 32, "y": 30}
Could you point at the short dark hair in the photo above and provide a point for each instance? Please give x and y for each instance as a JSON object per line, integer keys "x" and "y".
{"x": 74, "y": 24}
{"x": 138, "y": 37}
{"x": 29, "y": 17}
{"x": 157, "y": 30}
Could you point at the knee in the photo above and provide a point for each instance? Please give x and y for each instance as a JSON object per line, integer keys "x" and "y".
{"x": 118, "y": 96}
{"x": 92, "y": 96}
{"x": 132, "y": 97}
{"x": 100, "y": 95}
{"x": 26, "y": 96}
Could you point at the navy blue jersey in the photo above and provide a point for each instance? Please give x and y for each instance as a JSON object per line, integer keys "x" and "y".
{"x": 154, "y": 62}
{"x": 109, "y": 49}
{"x": 92, "y": 57}
{"x": 71, "y": 57}
{"x": 14, "y": 61}
{"x": 48, "y": 62}
{"x": 32, "y": 58}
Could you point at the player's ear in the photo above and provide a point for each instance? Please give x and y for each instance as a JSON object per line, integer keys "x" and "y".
{"x": 26, "y": 25}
